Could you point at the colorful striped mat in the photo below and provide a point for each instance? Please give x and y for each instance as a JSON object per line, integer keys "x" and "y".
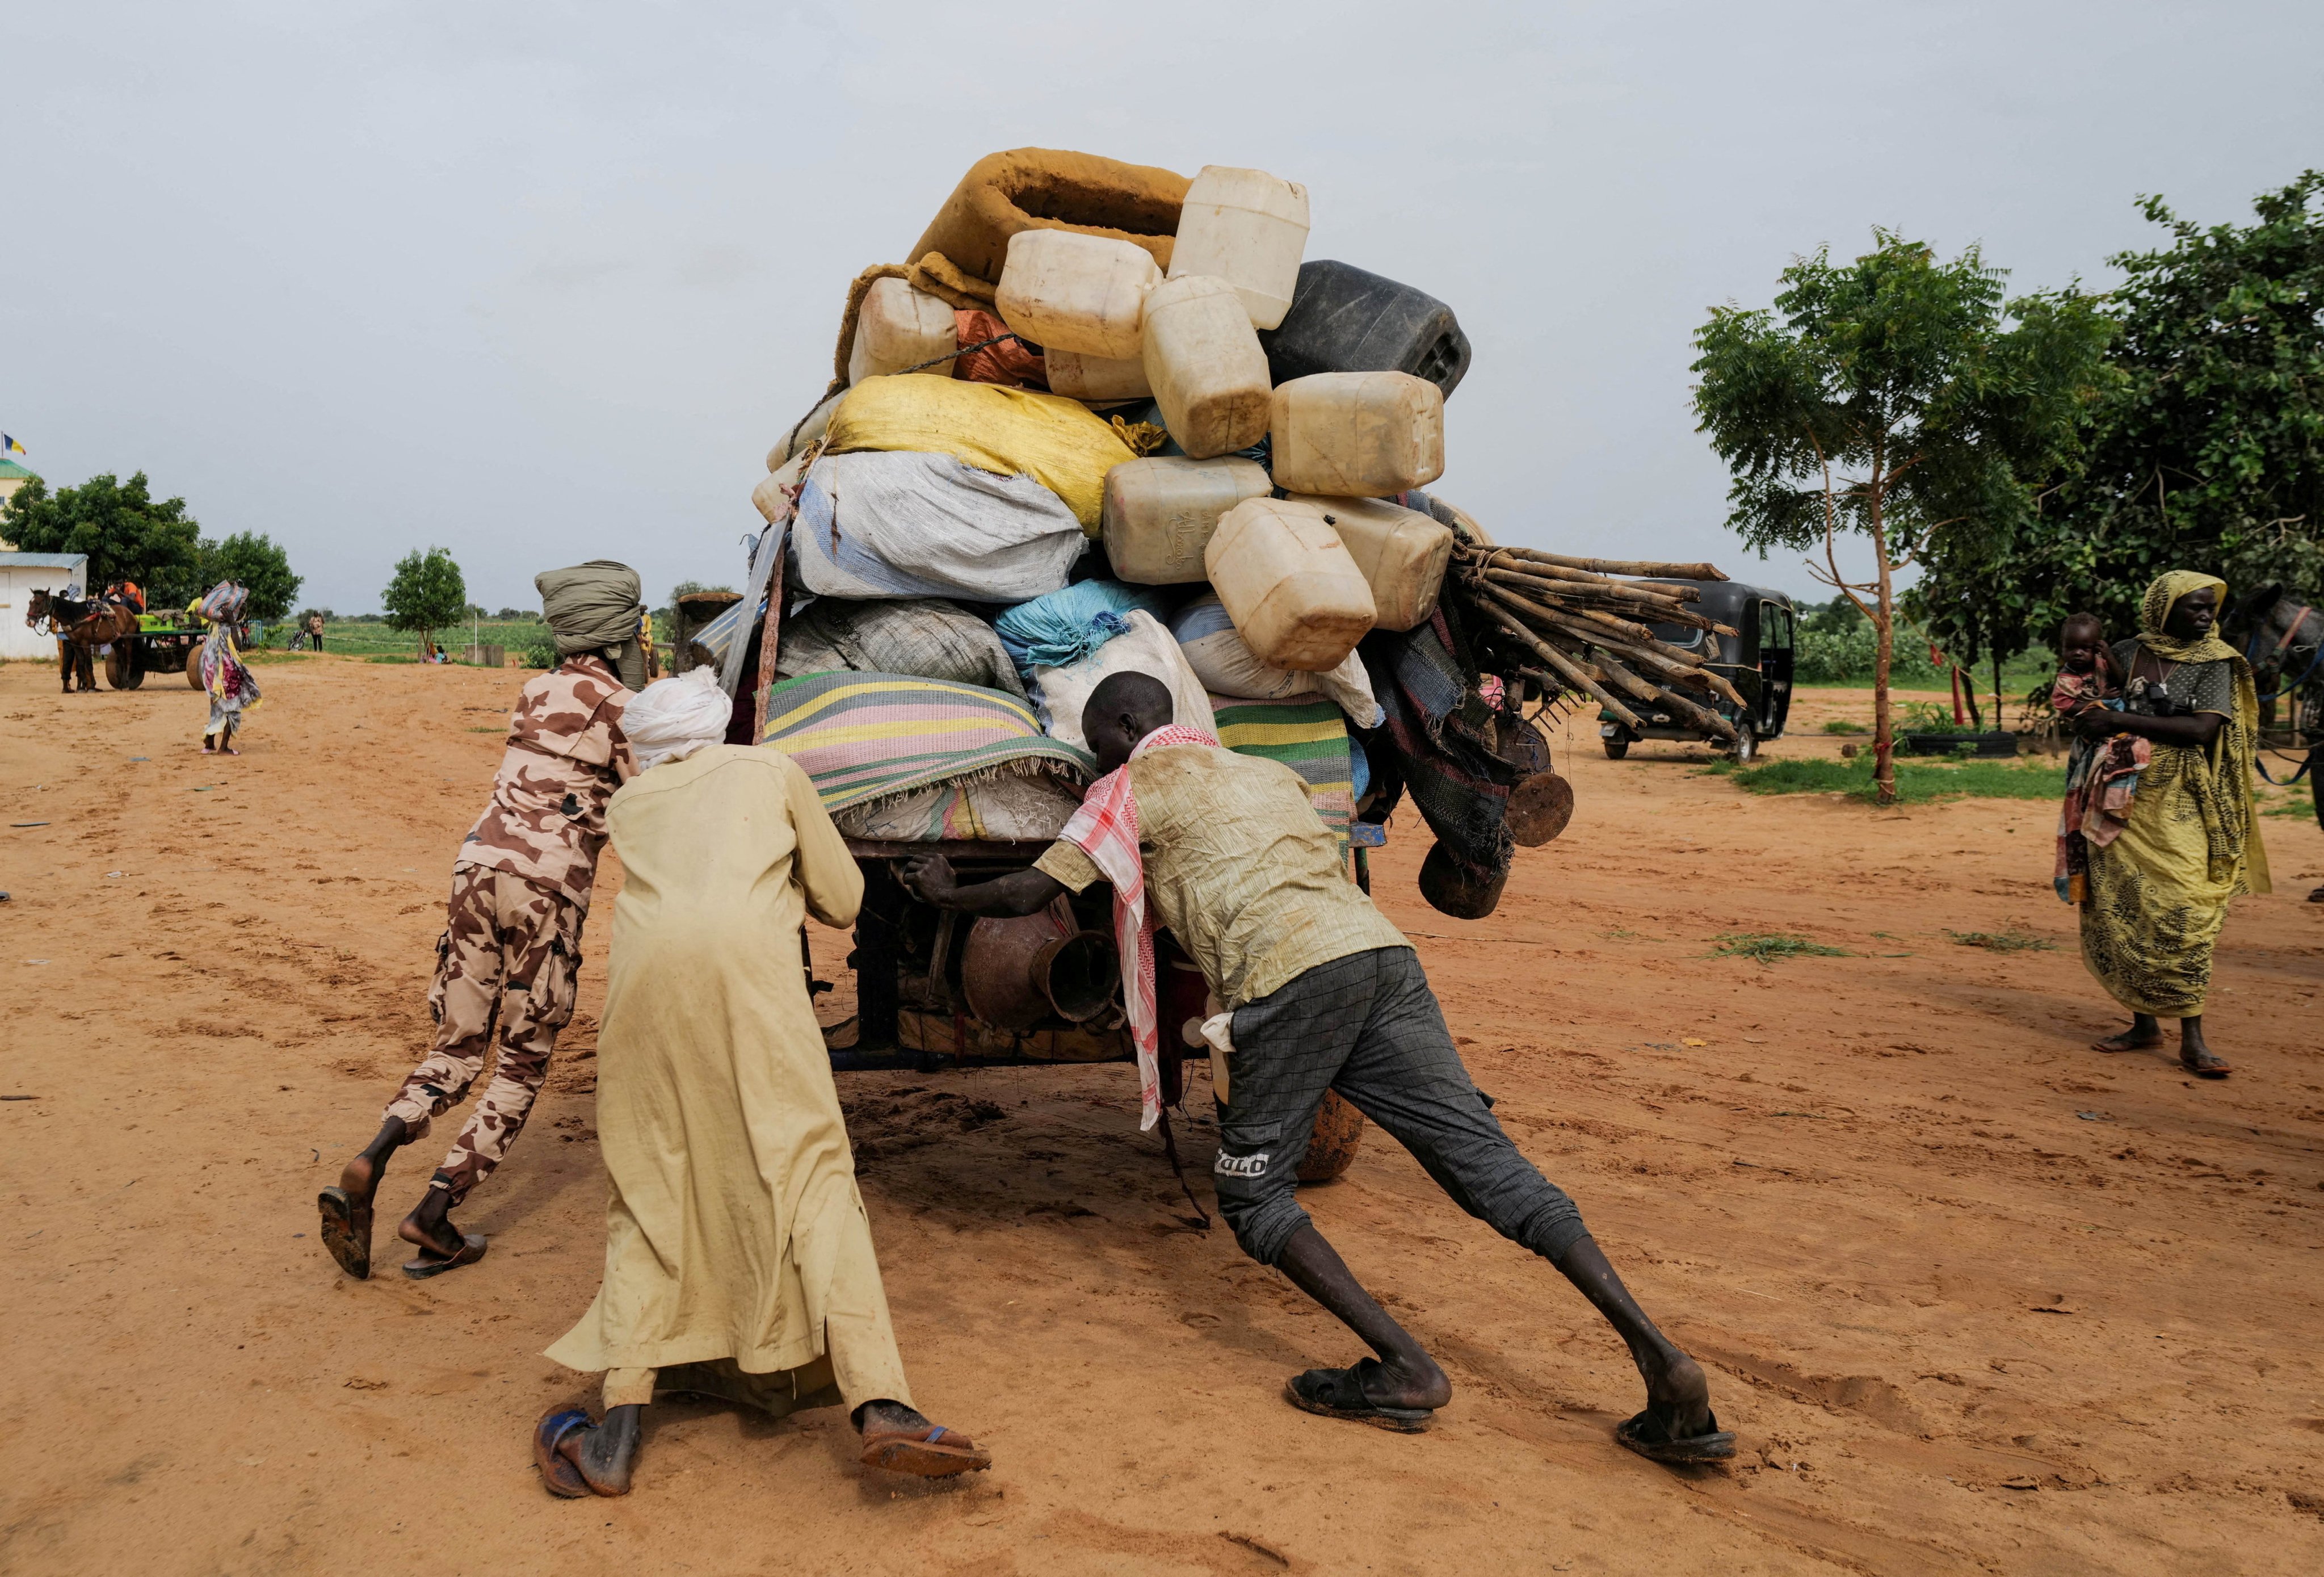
{"x": 1309, "y": 737}
{"x": 862, "y": 737}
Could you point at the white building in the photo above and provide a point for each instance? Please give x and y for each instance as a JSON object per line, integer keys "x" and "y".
{"x": 22, "y": 574}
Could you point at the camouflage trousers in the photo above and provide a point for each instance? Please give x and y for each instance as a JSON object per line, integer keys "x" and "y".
{"x": 507, "y": 971}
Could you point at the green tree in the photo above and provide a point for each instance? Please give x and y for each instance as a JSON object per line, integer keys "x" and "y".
{"x": 252, "y": 558}
{"x": 1899, "y": 397}
{"x": 2206, "y": 451}
{"x": 118, "y": 524}
{"x": 427, "y": 593}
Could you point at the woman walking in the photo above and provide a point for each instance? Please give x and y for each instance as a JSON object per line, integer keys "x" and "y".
{"x": 2158, "y": 892}
{"x": 228, "y": 678}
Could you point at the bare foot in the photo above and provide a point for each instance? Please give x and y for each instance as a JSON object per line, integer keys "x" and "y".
{"x": 1679, "y": 1398}
{"x": 2131, "y": 1040}
{"x": 438, "y": 1237}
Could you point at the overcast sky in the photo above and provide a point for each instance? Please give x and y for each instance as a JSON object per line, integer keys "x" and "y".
{"x": 541, "y": 282}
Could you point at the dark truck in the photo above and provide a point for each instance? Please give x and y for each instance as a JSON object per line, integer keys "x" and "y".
{"x": 1756, "y": 660}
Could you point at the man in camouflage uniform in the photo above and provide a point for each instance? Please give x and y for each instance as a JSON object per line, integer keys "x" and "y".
{"x": 510, "y": 958}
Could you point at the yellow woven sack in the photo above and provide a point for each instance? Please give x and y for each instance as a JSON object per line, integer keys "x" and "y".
{"x": 1011, "y": 432}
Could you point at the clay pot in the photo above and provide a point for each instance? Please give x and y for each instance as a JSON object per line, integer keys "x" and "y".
{"x": 1016, "y": 973}
{"x": 1452, "y": 889}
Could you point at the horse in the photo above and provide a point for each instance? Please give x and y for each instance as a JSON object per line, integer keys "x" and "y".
{"x": 2283, "y": 638}
{"x": 81, "y": 625}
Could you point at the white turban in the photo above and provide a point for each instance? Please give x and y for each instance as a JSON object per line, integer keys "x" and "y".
{"x": 671, "y": 719}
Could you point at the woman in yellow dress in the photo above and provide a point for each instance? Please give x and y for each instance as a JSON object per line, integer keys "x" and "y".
{"x": 2158, "y": 893}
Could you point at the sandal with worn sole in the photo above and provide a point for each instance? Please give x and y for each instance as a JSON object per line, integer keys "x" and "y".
{"x": 347, "y": 1230}
{"x": 1339, "y": 1393}
{"x": 559, "y": 1476}
{"x": 933, "y": 1453}
{"x": 472, "y": 1248}
{"x": 1651, "y": 1438}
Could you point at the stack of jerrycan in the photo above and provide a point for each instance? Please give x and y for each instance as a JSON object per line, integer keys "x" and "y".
{"x": 1297, "y": 401}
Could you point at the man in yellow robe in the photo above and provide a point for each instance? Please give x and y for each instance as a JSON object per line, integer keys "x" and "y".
{"x": 738, "y": 1259}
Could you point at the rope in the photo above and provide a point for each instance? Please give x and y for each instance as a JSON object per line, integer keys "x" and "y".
{"x": 1170, "y": 1148}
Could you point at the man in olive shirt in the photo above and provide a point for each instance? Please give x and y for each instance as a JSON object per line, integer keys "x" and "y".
{"x": 1326, "y": 995}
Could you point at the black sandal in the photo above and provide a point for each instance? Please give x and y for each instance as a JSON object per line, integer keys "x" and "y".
{"x": 431, "y": 1263}
{"x": 1651, "y": 1438}
{"x": 1339, "y": 1393}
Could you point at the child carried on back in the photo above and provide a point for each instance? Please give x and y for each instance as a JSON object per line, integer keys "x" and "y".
{"x": 2101, "y": 774}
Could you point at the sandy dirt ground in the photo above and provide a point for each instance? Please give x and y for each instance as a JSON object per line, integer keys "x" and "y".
{"x": 1975, "y": 1296}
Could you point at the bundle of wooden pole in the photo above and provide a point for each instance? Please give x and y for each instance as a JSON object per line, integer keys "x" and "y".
{"x": 1588, "y": 628}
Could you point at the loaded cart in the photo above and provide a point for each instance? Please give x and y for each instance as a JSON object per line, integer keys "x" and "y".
{"x": 1103, "y": 419}
{"x": 165, "y": 642}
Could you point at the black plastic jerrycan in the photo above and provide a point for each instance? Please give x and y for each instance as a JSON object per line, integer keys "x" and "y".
{"x": 1343, "y": 319}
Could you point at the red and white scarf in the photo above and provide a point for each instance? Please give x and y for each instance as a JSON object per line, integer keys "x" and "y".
{"x": 1105, "y": 828}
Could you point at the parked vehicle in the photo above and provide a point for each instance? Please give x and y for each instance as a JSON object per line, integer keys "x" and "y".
{"x": 1756, "y": 660}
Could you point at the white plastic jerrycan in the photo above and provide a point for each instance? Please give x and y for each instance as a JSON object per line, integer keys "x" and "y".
{"x": 1160, "y": 512}
{"x": 1065, "y": 291}
{"x": 1205, "y": 367}
{"x": 1094, "y": 378}
{"x": 1248, "y": 228}
{"x": 1401, "y": 552}
{"x": 1295, "y": 595}
{"x": 900, "y": 328}
{"x": 1361, "y": 435}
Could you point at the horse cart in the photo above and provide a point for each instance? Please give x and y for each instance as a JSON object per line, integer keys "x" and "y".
{"x": 167, "y": 642}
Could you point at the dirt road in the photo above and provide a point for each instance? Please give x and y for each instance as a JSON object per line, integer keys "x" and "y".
{"x": 1976, "y": 1296}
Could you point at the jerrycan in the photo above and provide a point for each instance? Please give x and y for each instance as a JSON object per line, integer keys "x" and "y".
{"x": 1343, "y": 319}
{"x": 1248, "y": 228}
{"x": 1065, "y": 291}
{"x": 1295, "y": 595}
{"x": 1160, "y": 514}
{"x": 1095, "y": 378}
{"x": 1204, "y": 365}
{"x": 900, "y": 327}
{"x": 1401, "y": 553}
{"x": 1362, "y": 435}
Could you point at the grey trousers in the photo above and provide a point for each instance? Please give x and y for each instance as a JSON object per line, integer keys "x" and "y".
{"x": 1368, "y": 1027}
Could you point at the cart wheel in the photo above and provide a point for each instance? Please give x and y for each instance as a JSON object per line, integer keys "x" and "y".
{"x": 1746, "y": 748}
{"x": 194, "y": 669}
{"x": 122, "y": 669}
{"x": 1331, "y": 1145}
{"x": 1618, "y": 745}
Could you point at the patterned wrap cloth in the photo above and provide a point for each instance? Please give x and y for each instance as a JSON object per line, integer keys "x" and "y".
{"x": 232, "y": 689}
{"x": 2101, "y": 776}
{"x": 1105, "y": 828}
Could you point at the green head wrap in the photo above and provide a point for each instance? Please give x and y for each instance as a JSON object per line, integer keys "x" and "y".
{"x": 595, "y": 606}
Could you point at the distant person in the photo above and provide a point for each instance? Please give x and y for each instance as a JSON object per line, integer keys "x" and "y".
{"x": 2101, "y": 774}
{"x": 315, "y": 631}
{"x": 739, "y": 1263}
{"x": 508, "y": 965}
{"x": 1324, "y": 994}
{"x": 2158, "y": 890}
{"x": 232, "y": 689}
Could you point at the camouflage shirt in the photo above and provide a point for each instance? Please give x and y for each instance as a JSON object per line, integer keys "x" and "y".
{"x": 566, "y": 756}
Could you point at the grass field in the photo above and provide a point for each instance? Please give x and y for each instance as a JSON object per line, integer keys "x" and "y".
{"x": 1916, "y": 781}
{"x": 365, "y": 640}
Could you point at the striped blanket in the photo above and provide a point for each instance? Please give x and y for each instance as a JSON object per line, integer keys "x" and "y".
{"x": 1308, "y": 736}
{"x": 862, "y": 737}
